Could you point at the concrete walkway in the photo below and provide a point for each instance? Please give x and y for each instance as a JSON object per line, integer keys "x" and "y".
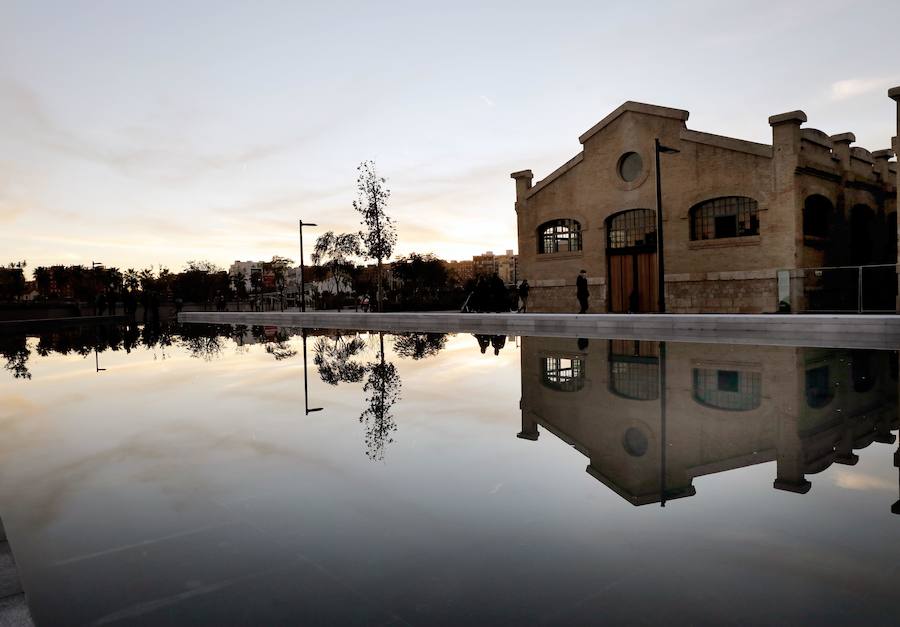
{"x": 844, "y": 331}
{"x": 43, "y": 323}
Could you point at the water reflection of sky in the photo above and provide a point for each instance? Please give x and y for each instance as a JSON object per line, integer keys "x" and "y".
{"x": 171, "y": 488}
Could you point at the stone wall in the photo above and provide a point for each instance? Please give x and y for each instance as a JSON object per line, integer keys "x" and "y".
{"x": 562, "y": 299}
{"x": 729, "y": 295}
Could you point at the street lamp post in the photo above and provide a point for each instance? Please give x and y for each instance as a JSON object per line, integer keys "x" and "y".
{"x": 302, "y": 283}
{"x": 660, "y": 262}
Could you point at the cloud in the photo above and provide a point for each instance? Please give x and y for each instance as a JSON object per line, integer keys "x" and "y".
{"x": 853, "y": 87}
{"x": 852, "y": 480}
{"x": 487, "y": 101}
{"x": 158, "y": 152}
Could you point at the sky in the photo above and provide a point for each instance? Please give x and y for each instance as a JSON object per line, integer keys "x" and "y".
{"x": 138, "y": 133}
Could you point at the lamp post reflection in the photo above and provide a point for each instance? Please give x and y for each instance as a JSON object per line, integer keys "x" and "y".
{"x": 895, "y": 508}
{"x": 306, "y": 380}
{"x": 662, "y": 424}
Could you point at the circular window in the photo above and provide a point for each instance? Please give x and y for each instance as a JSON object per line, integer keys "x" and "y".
{"x": 630, "y": 166}
{"x": 635, "y": 442}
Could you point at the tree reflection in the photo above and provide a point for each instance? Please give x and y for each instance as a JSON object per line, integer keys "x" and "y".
{"x": 278, "y": 347}
{"x": 14, "y": 349}
{"x": 335, "y": 362}
{"x": 419, "y": 345}
{"x": 383, "y": 388}
{"x": 203, "y": 341}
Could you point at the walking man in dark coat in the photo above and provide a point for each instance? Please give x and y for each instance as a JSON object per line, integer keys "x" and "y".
{"x": 581, "y": 290}
{"x": 523, "y": 295}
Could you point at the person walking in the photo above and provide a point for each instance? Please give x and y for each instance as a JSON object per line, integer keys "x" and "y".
{"x": 523, "y": 295}
{"x": 581, "y": 291}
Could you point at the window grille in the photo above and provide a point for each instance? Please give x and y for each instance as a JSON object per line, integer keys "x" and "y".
{"x": 559, "y": 236}
{"x": 636, "y": 378}
{"x": 734, "y": 390}
{"x": 563, "y": 373}
{"x": 730, "y": 216}
{"x": 630, "y": 229}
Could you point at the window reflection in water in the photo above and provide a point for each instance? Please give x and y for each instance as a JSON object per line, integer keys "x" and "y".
{"x": 734, "y": 390}
{"x": 563, "y": 373}
{"x": 819, "y": 391}
{"x": 634, "y": 369}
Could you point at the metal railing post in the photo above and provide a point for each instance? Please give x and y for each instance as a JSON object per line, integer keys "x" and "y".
{"x": 859, "y": 293}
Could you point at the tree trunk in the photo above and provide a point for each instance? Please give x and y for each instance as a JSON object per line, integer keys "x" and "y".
{"x": 380, "y": 309}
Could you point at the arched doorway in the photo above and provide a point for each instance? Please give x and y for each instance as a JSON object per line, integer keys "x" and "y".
{"x": 863, "y": 236}
{"x": 631, "y": 259}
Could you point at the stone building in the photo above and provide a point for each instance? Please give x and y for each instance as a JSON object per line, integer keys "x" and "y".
{"x": 741, "y": 220}
{"x": 617, "y": 401}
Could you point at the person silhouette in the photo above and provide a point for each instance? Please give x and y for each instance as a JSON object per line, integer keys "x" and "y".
{"x": 483, "y": 342}
{"x": 523, "y": 295}
{"x": 581, "y": 291}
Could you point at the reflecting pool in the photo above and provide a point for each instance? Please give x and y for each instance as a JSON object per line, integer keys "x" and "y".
{"x": 257, "y": 475}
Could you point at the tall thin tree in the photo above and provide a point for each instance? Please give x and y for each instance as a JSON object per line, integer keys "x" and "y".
{"x": 380, "y": 234}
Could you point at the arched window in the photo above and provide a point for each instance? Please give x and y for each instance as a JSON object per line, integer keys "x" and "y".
{"x": 819, "y": 390}
{"x": 634, "y": 228}
{"x": 729, "y": 216}
{"x": 733, "y": 390}
{"x": 634, "y": 369}
{"x": 559, "y": 236}
{"x": 565, "y": 374}
{"x": 817, "y": 216}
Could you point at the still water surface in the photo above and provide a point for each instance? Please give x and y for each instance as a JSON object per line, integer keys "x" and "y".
{"x": 174, "y": 476}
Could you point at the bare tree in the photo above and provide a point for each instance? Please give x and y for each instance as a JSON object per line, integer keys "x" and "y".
{"x": 380, "y": 235}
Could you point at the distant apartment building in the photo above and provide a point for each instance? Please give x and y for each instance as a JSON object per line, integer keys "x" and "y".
{"x": 245, "y": 269}
{"x": 505, "y": 266}
{"x": 464, "y": 270}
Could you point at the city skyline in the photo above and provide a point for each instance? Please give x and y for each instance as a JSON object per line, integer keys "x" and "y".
{"x": 137, "y": 137}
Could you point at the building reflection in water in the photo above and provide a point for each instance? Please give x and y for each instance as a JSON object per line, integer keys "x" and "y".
{"x": 652, "y": 416}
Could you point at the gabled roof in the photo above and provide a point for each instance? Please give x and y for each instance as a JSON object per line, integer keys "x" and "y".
{"x": 636, "y": 107}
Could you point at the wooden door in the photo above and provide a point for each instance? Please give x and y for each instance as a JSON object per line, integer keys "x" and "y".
{"x": 632, "y": 282}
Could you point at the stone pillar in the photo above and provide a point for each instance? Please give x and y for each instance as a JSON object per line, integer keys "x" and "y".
{"x": 894, "y": 94}
{"x": 882, "y": 157}
{"x": 529, "y": 427}
{"x": 843, "y": 451}
{"x": 790, "y": 458}
{"x": 523, "y": 180}
{"x": 840, "y": 146}
{"x": 786, "y": 205}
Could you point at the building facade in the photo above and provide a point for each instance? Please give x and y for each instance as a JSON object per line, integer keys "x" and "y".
{"x": 746, "y": 226}
{"x": 647, "y": 435}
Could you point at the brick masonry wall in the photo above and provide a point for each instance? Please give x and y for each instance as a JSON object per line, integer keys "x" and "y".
{"x": 682, "y": 296}
{"x": 561, "y": 299}
{"x": 733, "y": 296}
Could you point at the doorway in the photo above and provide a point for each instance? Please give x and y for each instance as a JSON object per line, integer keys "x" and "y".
{"x": 631, "y": 259}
